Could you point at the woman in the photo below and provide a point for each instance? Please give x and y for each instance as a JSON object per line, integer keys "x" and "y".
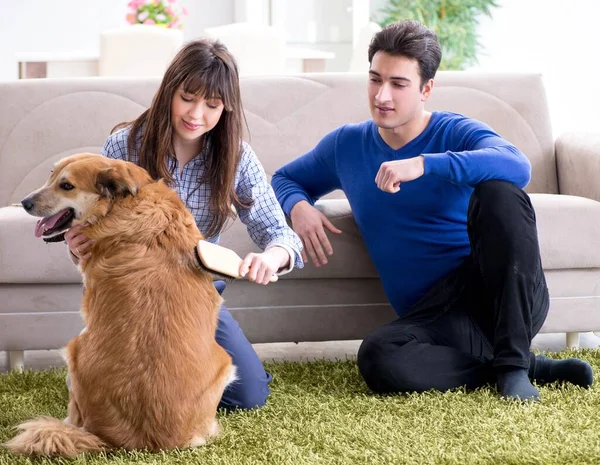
{"x": 191, "y": 136}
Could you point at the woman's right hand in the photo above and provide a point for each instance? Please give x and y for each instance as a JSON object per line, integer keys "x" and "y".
{"x": 309, "y": 223}
{"x": 78, "y": 243}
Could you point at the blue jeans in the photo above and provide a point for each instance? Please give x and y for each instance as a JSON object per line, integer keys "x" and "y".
{"x": 252, "y": 386}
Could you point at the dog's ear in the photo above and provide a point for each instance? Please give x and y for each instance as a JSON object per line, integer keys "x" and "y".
{"x": 115, "y": 182}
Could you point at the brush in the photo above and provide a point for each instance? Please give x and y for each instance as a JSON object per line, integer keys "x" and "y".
{"x": 220, "y": 260}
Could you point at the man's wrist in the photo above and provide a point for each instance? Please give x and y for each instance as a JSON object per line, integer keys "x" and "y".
{"x": 292, "y": 201}
{"x": 298, "y": 206}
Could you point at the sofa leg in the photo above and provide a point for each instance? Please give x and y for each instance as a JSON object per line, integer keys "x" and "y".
{"x": 16, "y": 360}
{"x": 572, "y": 340}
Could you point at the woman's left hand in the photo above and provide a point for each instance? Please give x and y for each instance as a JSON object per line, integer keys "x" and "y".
{"x": 260, "y": 267}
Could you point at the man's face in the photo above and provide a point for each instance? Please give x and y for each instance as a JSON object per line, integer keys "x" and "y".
{"x": 395, "y": 95}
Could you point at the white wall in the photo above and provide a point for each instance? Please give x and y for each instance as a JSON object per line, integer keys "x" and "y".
{"x": 73, "y": 26}
{"x": 559, "y": 39}
{"x": 253, "y": 11}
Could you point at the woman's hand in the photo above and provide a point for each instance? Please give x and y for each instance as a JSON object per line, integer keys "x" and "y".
{"x": 78, "y": 243}
{"x": 260, "y": 267}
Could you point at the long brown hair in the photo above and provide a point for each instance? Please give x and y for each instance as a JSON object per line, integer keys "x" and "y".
{"x": 205, "y": 68}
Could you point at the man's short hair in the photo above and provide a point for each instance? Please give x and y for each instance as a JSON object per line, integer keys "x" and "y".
{"x": 410, "y": 39}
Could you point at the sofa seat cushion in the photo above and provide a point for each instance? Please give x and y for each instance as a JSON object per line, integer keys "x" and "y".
{"x": 568, "y": 231}
{"x": 25, "y": 258}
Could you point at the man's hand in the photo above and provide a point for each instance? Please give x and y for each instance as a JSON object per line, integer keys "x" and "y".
{"x": 78, "y": 243}
{"x": 309, "y": 223}
{"x": 260, "y": 267}
{"x": 393, "y": 173}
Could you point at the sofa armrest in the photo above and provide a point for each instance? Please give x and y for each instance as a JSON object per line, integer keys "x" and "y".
{"x": 578, "y": 164}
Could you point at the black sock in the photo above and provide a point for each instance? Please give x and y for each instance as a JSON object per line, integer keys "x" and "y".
{"x": 573, "y": 370}
{"x": 513, "y": 383}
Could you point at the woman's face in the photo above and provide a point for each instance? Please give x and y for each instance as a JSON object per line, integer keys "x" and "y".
{"x": 193, "y": 116}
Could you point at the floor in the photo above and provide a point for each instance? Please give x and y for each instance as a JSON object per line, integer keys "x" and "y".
{"x": 340, "y": 350}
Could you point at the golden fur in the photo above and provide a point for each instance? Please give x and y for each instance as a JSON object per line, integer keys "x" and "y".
{"x": 147, "y": 371}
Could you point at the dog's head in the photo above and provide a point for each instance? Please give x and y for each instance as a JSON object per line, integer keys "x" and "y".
{"x": 80, "y": 188}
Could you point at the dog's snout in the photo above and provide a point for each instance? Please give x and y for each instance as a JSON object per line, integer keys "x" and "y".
{"x": 27, "y": 203}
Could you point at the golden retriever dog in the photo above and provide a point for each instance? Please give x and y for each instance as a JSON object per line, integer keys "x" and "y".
{"x": 147, "y": 372}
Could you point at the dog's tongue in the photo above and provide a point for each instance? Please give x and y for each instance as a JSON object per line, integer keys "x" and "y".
{"x": 48, "y": 223}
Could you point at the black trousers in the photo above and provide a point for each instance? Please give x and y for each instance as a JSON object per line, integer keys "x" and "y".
{"x": 480, "y": 317}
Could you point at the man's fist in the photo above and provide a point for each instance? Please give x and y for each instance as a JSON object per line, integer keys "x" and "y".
{"x": 393, "y": 173}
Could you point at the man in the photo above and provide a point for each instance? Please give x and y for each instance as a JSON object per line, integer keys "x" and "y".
{"x": 438, "y": 200}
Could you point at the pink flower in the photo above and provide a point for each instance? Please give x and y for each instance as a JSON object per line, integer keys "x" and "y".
{"x": 130, "y": 18}
{"x": 169, "y": 11}
{"x": 143, "y": 16}
{"x": 171, "y": 1}
{"x": 149, "y": 22}
{"x": 184, "y": 11}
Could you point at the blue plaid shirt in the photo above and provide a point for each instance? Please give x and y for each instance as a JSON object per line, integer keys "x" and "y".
{"x": 264, "y": 220}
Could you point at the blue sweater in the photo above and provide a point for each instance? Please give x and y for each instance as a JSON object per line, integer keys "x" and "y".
{"x": 418, "y": 235}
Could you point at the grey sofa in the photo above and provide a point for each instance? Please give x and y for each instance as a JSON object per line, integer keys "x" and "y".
{"x": 44, "y": 120}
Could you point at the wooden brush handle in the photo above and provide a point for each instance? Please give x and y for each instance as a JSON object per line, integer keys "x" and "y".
{"x": 221, "y": 260}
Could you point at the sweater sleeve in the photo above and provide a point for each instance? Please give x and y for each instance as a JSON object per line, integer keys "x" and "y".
{"x": 310, "y": 176}
{"x": 481, "y": 155}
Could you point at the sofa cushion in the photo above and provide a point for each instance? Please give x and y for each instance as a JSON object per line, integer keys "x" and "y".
{"x": 287, "y": 116}
{"x": 568, "y": 231}
{"x": 25, "y": 258}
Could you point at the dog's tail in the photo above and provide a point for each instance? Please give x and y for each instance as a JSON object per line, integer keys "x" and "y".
{"x": 51, "y": 436}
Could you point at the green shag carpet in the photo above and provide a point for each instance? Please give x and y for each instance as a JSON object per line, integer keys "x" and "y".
{"x": 323, "y": 413}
